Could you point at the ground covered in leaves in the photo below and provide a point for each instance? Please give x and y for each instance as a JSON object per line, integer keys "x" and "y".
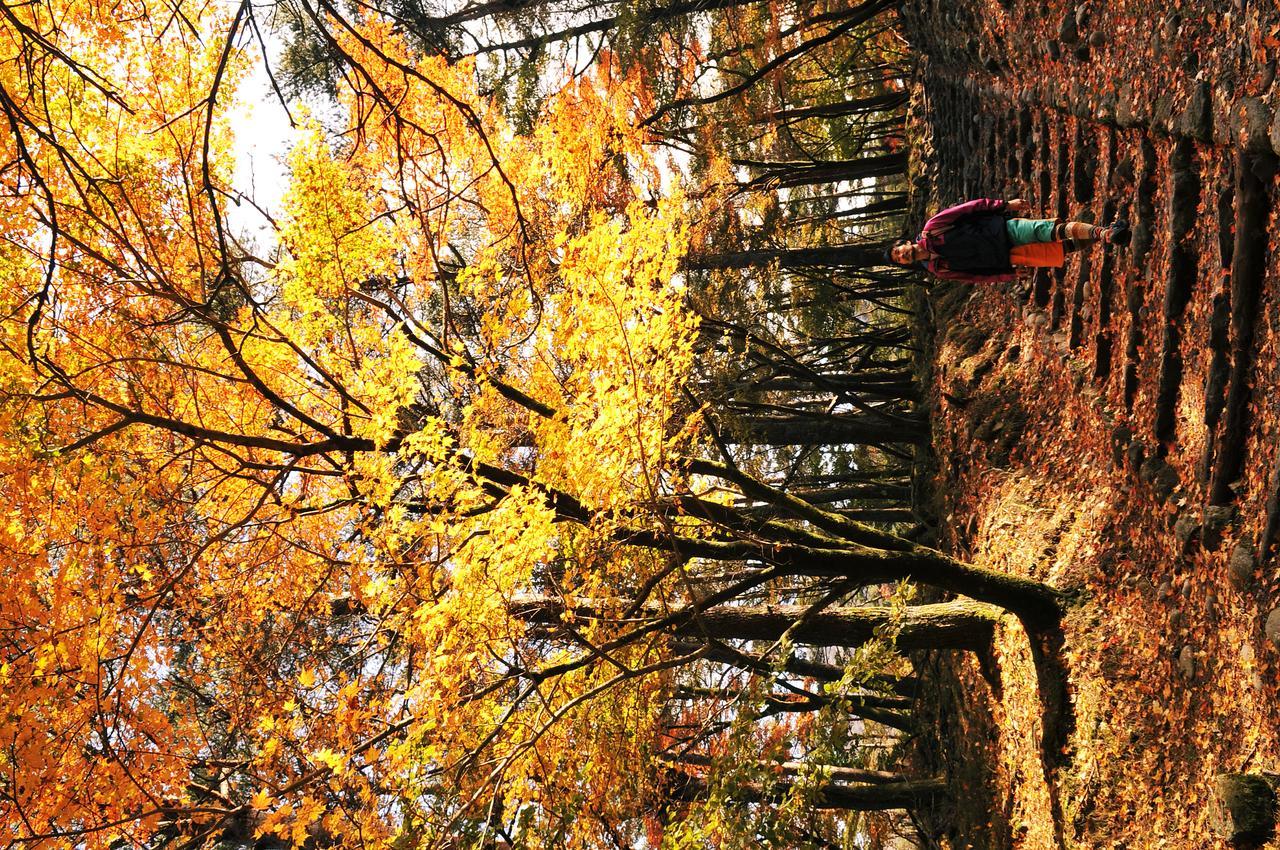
{"x": 1113, "y": 428}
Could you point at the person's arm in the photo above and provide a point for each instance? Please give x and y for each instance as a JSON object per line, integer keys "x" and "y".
{"x": 951, "y": 214}
{"x": 970, "y": 277}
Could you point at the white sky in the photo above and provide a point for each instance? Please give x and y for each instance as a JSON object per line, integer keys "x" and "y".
{"x": 262, "y": 139}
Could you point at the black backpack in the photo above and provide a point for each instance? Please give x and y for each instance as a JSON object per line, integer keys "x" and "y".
{"x": 977, "y": 243}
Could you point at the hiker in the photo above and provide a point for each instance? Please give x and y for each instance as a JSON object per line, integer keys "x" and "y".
{"x": 982, "y": 241}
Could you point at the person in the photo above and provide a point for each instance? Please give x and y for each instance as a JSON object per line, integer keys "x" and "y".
{"x": 986, "y": 240}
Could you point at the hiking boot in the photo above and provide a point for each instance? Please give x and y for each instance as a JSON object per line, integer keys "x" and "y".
{"x": 1118, "y": 232}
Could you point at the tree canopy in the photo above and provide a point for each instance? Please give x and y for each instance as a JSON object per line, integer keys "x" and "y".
{"x": 419, "y": 524}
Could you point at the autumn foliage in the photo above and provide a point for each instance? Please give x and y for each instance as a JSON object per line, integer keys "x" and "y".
{"x": 268, "y": 507}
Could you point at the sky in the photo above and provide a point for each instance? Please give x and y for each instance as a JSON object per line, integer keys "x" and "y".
{"x": 262, "y": 139}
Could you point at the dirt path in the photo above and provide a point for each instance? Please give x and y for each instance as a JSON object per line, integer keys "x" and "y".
{"x": 1115, "y": 426}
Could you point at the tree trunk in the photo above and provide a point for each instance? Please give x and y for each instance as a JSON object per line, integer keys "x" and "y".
{"x": 887, "y": 711}
{"x": 647, "y": 18}
{"x": 880, "y": 514}
{"x": 830, "y": 772}
{"x": 832, "y": 795}
{"x": 796, "y": 666}
{"x": 840, "y": 256}
{"x": 781, "y": 175}
{"x": 898, "y": 387}
{"x": 833, "y": 430}
{"x": 961, "y": 624}
{"x": 877, "y": 103}
{"x": 903, "y": 686}
{"x": 867, "y": 492}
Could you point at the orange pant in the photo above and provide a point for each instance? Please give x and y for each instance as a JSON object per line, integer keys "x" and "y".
{"x": 1038, "y": 255}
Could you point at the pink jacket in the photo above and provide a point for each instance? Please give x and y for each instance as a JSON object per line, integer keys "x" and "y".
{"x": 934, "y": 234}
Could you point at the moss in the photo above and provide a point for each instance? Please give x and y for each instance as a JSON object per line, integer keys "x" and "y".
{"x": 1245, "y": 813}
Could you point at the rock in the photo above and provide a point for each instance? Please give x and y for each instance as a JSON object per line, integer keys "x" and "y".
{"x": 1251, "y": 124}
{"x": 1135, "y": 455}
{"x": 1164, "y": 591}
{"x": 1268, "y": 77}
{"x": 1107, "y": 107}
{"x": 1187, "y": 529}
{"x": 1121, "y": 436}
{"x": 1126, "y": 111}
{"x": 1125, "y": 168}
{"x": 1226, "y": 206}
{"x": 1241, "y": 565}
{"x": 1082, "y": 53}
{"x": 970, "y": 372}
{"x": 1243, "y": 809}
{"x": 1216, "y": 518}
{"x": 1264, "y": 166}
{"x": 1165, "y": 483}
{"x": 1097, "y": 39}
{"x": 1141, "y": 242}
{"x": 1183, "y": 209}
{"x": 1187, "y": 662}
{"x": 1196, "y": 119}
{"x": 1272, "y": 627}
{"x": 1069, "y": 32}
{"x": 1082, "y": 178}
{"x": 1171, "y": 29}
{"x": 1078, "y": 100}
{"x": 1163, "y": 119}
{"x": 967, "y": 339}
{"x": 1060, "y": 92}
{"x": 1223, "y": 102}
{"x": 1054, "y": 49}
{"x": 1160, "y": 475}
{"x": 1220, "y": 329}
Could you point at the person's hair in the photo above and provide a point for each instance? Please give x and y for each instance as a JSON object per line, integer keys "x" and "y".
{"x": 888, "y": 252}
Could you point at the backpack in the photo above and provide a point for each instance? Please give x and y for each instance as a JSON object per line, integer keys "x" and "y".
{"x": 977, "y": 243}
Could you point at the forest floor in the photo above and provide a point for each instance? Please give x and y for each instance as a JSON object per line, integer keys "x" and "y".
{"x": 1089, "y": 424}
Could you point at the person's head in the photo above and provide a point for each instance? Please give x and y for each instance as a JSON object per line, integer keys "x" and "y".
{"x": 902, "y": 252}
